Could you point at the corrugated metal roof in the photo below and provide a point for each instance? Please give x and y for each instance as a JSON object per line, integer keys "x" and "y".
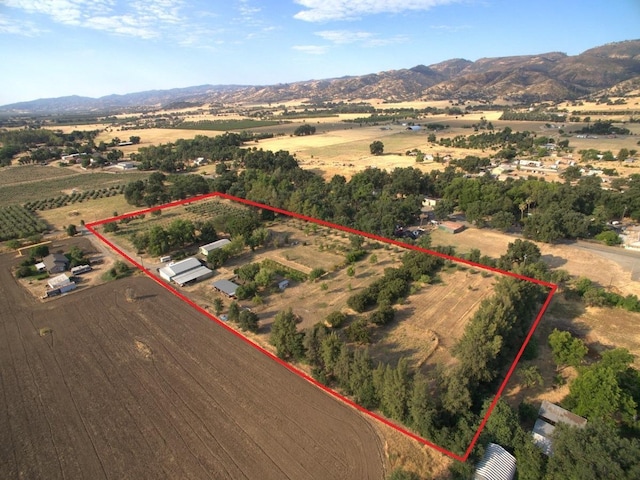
{"x": 497, "y": 464}
{"x": 199, "y": 273}
{"x": 554, "y": 414}
{"x": 59, "y": 281}
{"x": 226, "y": 287}
{"x": 177, "y": 268}
{"x": 209, "y": 247}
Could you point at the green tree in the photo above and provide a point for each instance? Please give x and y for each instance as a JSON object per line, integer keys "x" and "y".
{"x": 376, "y": 148}
{"x": 218, "y": 305}
{"x": 594, "y": 452}
{"x": 285, "y": 336}
{"x": 305, "y": 129}
{"x": 40, "y": 251}
{"x": 566, "y": 349}
{"x": 71, "y": 230}
{"x": 248, "y": 321}
{"x": 335, "y": 319}
{"x": 234, "y": 312}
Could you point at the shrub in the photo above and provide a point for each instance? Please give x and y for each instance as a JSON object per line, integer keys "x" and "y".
{"x": 336, "y": 319}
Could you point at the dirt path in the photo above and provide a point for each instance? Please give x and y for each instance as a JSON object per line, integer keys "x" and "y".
{"x": 94, "y": 386}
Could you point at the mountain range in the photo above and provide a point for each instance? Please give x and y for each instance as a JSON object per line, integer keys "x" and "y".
{"x": 612, "y": 69}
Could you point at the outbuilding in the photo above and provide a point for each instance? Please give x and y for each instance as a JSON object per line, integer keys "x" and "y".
{"x": 497, "y": 464}
{"x": 549, "y": 416}
{"x": 185, "y": 271}
{"x": 452, "y": 227}
{"x": 210, "y": 247}
{"x": 225, "y": 286}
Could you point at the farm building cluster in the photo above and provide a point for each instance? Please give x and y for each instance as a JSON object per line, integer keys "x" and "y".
{"x": 62, "y": 283}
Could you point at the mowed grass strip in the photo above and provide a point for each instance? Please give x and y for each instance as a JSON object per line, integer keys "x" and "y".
{"x": 20, "y": 193}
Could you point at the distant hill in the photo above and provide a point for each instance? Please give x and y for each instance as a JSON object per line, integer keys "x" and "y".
{"x": 555, "y": 76}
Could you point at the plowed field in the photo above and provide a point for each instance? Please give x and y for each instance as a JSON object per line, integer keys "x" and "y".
{"x": 97, "y": 387}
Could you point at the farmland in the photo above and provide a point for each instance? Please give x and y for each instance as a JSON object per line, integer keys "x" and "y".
{"x": 101, "y": 387}
{"x": 40, "y": 189}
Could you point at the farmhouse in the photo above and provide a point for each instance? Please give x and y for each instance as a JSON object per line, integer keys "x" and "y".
{"x": 55, "y": 263}
{"x": 210, "y": 247}
{"x": 497, "y": 464}
{"x": 225, "y": 286}
{"x": 186, "y": 271}
{"x": 549, "y": 416}
{"x": 452, "y": 227}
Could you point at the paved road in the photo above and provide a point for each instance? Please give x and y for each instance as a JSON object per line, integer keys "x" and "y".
{"x": 628, "y": 259}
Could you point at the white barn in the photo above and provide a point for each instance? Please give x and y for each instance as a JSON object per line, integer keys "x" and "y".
{"x": 210, "y": 247}
{"x": 497, "y": 464}
{"x": 185, "y": 271}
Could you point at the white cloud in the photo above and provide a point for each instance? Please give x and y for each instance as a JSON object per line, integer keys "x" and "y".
{"x": 367, "y": 39}
{"x": 327, "y": 10}
{"x": 138, "y": 18}
{"x": 450, "y": 28}
{"x": 15, "y": 27}
{"x": 311, "y": 49}
{"x": 342, "y": 37}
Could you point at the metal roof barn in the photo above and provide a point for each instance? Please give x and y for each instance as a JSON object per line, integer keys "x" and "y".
{"x": 225, "y": 286}
{"x": 210, "y": 247}
{"x": 178, "y": 268}
{"x": 195, "y": 275}
{"x": 497, "y": 464}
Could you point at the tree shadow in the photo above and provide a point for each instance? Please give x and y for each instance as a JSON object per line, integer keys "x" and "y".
{"x": 553, "y": 261}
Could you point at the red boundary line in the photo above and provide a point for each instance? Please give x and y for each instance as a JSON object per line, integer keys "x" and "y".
{"x": 91, "y": 227}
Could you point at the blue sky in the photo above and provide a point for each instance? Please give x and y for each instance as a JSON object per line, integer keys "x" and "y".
{"x": 52, "y": 48}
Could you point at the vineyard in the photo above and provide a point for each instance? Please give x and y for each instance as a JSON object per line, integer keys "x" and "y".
{"x": 215, "y": 209}
{"x": 226, "y": 125}
{"x": 76, "y": 197}
{"x": 18, "y": 222}
{"x": 32, "y": 173}
{"x": 21, "y": 193}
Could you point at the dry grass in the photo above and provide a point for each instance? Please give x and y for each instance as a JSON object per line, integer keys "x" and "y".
{"x": 410, "y": 455}
{"x": 89, "y": 211}
{"x": 432, "y": 320}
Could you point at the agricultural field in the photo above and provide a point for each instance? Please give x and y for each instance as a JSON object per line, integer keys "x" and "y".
{"x": 429, "y": 320}
{"x": 19, "y": 222}
{"x": 105, "y": 387}
{"x": 53, "y": 188}
{"x": 18, "y": 174}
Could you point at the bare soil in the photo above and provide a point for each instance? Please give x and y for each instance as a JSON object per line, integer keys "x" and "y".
{"x": 95, "y": 386}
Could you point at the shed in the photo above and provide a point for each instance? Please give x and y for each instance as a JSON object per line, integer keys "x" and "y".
{"x": 56, "y": 263}
{"x": 429, "y": 202}
{"x": 549, "y": 416}
{"x": 193, "y": 275}
{"x": 283, "y": 284}
{"x": 226, "y": 286}
{"x": 452, "y": 227}
{"x": 497, "y": 464}
{"x": 41, "y": 267}
{"x": 178, "y": 268}
{"x": 210, "y": 247}
{"x": 62, "y": 283}
{"x": 80, "y": 269}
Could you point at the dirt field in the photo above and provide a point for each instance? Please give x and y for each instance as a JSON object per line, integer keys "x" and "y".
{"x": 608, "y": 266}
{"x": 98, "y": 387}
{"x": 431, "y": 321}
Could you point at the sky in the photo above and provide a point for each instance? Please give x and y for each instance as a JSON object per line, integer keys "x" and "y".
{"x": 54, "y": 48}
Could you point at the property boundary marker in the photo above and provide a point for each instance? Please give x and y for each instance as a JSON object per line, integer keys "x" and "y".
{"x": 552, "y": 289}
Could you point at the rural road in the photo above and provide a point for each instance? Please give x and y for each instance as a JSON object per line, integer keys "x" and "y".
{"x": 627, "y": 259}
